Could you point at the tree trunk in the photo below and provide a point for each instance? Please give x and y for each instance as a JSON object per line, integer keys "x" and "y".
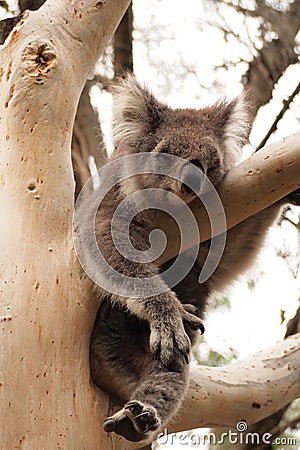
{"x": 47, "y": 400}
{"x": 123, "y": 57}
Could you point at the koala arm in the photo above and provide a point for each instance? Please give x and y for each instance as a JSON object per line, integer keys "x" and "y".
{"x": 166, "y": 316}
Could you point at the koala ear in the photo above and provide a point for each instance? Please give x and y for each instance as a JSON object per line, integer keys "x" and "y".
{"x": 233, "y": 122}
{"x": 238, "y": 125}
{"x": 135, "y": 111}
{"x": 231, "y": 125}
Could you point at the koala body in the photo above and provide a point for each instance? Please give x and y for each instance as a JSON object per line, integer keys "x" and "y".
{"x": 140, "y": 346}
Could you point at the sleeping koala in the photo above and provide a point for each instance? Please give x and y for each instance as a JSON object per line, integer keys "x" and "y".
{"x": 141, "y": 343}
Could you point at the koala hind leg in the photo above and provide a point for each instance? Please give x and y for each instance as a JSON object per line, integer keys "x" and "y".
{"x": 151, "y": 392}
{"x": 151, "y": 405}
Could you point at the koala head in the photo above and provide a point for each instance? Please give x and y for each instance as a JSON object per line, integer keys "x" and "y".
{"x": 211, "y": 138}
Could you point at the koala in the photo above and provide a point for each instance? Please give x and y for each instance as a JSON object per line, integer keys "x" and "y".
{"x": 140, "y": 346}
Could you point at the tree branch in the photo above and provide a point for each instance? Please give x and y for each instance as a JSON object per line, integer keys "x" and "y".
{"x": 264, "y": 178}
{"x": 47, "y": 313}
{"x": 249, "y": 390}
{"x": 275, "y": 423}
{"x": 286, "y": 105}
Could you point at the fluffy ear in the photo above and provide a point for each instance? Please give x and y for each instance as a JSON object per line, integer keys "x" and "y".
{"x": 233, "y": 123}
{"x": 135, "y": 111}
{"x": 238, "y": 125}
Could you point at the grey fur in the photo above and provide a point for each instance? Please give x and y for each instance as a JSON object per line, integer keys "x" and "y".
{"x": 140, "y": 347}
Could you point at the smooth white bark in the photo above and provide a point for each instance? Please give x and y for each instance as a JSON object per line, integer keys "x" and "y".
{"x": 47, "y": 400}
{"x": 249, "y": 390}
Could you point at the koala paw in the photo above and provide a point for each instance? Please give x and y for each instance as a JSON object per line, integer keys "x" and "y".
{"x": 135, "y": 421}
{"x": 168, "y": 338}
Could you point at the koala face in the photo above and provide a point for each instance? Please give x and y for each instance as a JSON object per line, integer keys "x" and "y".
{"x": 210, "y": 138}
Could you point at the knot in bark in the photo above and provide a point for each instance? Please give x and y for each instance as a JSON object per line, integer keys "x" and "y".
{"x": 39, "y": 60}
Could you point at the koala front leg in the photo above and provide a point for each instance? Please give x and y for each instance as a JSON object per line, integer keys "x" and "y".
{"x": 167, "y": 319}
{"x": 166, "y": 316}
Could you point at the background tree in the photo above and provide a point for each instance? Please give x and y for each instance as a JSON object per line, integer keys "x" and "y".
{"x": 278, "y": 50}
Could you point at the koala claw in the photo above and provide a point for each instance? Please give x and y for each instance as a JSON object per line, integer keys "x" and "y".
{"x": 191, "y": 318}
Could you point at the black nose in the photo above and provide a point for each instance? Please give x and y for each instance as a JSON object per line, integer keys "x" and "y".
{"x": 192, "y": 178}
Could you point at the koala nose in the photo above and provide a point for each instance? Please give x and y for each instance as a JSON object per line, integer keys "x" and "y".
{"x": 193, "y": 178}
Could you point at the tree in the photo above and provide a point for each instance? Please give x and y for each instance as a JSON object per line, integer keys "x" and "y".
{"x": 48, "y": 306}
{"x": 38, "y": 66}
